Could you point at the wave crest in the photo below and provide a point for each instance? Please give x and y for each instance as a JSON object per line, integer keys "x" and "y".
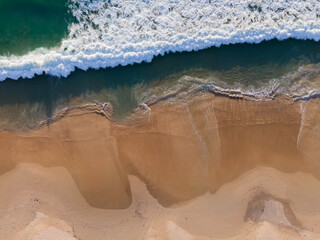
{"x": 108, "y": 33}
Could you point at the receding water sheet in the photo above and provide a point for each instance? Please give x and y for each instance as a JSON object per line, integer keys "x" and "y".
{"x": 172, "y": 119}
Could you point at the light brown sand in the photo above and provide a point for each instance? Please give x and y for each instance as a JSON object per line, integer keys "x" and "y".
{"x": 211, "y": 168}
{"x": 43, "y": 203}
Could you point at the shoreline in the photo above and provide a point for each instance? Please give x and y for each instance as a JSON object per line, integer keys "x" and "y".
{"x": 181, "y": 152}
{"x": 225, "y": 116}
{"x": 137, "y": 116}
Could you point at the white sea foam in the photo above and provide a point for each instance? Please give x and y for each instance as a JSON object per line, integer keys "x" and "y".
{"x": 108, "y": 33}
{"x": 300, "y": 85}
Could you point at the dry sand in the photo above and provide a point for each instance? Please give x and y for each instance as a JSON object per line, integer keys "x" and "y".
{"x": 210, "y": 168}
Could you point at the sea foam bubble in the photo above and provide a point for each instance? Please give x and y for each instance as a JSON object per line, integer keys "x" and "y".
{"x": 108, "y": 33}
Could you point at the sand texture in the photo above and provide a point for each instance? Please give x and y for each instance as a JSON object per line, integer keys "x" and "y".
{"x": 213, "y": 167}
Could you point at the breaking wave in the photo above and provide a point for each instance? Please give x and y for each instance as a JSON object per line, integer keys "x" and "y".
{"x": 108, "y": 33}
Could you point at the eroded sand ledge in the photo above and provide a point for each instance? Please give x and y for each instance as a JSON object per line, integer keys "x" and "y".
{"x": 217, "y": 162}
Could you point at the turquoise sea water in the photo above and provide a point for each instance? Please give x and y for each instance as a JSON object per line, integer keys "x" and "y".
{"x": 69, "y": 53}
{"x": 251, "y": 66}
{"x": 29, "y": 24}
{"x": 56, "y": 37}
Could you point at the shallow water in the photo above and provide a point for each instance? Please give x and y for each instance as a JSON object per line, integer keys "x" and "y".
{"x": 244, "y": 67}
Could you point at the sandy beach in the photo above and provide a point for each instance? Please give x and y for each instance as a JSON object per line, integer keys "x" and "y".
{"x": 214, "y": 167}
{"x": 159, "y": 120}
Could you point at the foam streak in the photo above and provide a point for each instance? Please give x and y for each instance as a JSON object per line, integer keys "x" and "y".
{"x": 119, "y": 32}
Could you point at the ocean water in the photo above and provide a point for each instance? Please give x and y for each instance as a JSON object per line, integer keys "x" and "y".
{"x": 26, "y": 25}
{"x": 108, "y": 33}
{"x": 57, "y": 54}
{"x": 258, "y": 70}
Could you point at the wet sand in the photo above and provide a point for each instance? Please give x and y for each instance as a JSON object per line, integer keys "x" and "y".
{"x": 214, "y": 167}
